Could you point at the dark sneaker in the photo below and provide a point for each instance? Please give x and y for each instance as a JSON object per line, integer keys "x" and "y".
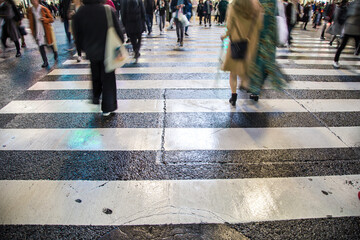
{"x": 95, "y": 101}
{"x": 18, "y": 54}
{"x": 45, "y": 64}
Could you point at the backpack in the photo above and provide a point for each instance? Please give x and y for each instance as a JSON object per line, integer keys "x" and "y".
{"x": 342, "y": 15}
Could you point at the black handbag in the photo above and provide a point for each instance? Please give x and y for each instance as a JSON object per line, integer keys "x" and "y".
{"x": 239, "y": 48}
{"x": 22, "y": 30}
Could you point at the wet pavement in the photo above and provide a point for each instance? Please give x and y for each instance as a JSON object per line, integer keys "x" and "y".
{"x": 176, "y": 161}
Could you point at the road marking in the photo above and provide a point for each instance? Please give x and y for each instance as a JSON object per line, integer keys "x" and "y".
{"x": 184, "y": 105}
{"x": 44, "y": 202}
{"x": 154, "y": 70}
{"x": 188, "y": 84}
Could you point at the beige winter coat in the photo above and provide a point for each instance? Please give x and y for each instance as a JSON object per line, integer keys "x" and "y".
{"x": 248, "y": 24}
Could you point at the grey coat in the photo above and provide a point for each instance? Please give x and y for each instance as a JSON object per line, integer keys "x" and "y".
{"x": 10, "y": 29}
{"x": 336, "y": 28}
{"x": 352, "y": 24}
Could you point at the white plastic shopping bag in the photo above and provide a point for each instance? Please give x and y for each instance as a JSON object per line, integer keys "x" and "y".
{"x": 282, "y": 28}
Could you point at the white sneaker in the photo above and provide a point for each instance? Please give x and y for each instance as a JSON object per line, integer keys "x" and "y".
{"x": 105, "y": 114}
{"x": 336, "y": 65}
{"x": 78, "y": 59}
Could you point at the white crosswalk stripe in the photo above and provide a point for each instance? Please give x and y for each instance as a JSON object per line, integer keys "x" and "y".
{"x": 189, "y": 84}
{"x": 180, "y": 202}
{"x": 194, "y": 201}
{"x": 151, "y": 70}
{"x": 186, "y": 105}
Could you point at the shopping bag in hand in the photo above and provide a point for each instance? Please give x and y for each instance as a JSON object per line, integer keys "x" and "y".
{"x": 116, "y": 54}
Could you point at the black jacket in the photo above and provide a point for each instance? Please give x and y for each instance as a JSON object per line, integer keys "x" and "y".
{"x": 133, "y": 16}
{"x": 161, "y": 8}
{"x": 149, "y": 6}
{"x": 90, "y": 28}
{"x": 206, "y": 8}
{"x": 200, "y": 9}
{"x": 64, "y": 8}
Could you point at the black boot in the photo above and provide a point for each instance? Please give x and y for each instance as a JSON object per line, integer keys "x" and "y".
{"x": 233, "y": 99}
{"x": 254, "y": 97}
{"x": 18, "y": 53}
{"x": 55, "y": 53}
{"x": 43, "y": 55}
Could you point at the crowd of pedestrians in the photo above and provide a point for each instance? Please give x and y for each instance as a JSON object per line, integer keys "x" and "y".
{"x": 251, "y": 20}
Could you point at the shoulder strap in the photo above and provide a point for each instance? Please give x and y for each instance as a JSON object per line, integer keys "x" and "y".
{"x": 238, "y": 30}
{"x": 108, "y": 16}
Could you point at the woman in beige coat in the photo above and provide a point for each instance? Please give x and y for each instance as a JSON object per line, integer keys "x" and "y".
{"x": 244, "y": 21}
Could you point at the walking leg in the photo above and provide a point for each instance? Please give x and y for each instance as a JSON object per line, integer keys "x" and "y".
{"x": 43, "y": 56}
{"x": 96, "y": 81}
{"x": 339, "y": 50}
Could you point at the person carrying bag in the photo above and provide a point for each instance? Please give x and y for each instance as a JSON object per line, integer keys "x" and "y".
{"x": 97, "y": 30}
{"x": 243, "y": 16}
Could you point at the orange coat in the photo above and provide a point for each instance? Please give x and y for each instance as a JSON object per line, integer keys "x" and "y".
{"x": 48, "y": 19}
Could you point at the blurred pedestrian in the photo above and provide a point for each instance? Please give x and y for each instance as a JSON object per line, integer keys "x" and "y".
{"x": 177, "y": 6}
{"x": 90, "y": 29}
{"x": 133, "y": 18}
{"x": 291, "y": 18}
{"x": 200, "y": 11}
{"x": 244, "y": 22}
{"x": 162, "y": 11}
{"x": 64, "y": 10}
{"x": 149, "y": 10}
{"x": 306, "y": 15}
{"x": 18, "y": 17}
{"x": 223, "y": 4}
{"x": 328, "y": 18}
{"x": 10, "y": 27}
{"x": 351, "y": 30}
{"x": 265, "y": 67}
{"x": 74, "y": 7}
{"x": 337, "y": 26}
{"x": 208, "y": 7}
{"x": 188, "y": 14}
{"x": 40, "y": 19}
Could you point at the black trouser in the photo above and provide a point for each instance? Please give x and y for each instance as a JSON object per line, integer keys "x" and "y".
{"x": 43, "y": 52}
{"x": 207, "y": 18}
{"x": 78, "y": 51}
{"x": 5, "y": 36}
{"x": 135, "y": 39}
{"x": 323, "y": 29}
{"x": 222, "y": 16}
{"x": 162, "y": 22}
{"x": 344, "y": 41}
{"x": 104, "y": 83}
{"x": 200, "y": 19}
{"x": 290, "y": 28}
{"x": 66, "y": 26}
{"x": 179, "y": 30}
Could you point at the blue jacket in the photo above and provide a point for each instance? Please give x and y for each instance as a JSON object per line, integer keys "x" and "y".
{"x": 174, "y": 3}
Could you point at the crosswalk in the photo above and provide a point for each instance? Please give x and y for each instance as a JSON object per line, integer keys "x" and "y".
{"x": 175, "y": 151}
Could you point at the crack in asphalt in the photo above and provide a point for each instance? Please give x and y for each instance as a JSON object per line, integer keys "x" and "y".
{"x": 162, "y": 151}
{"x": 194, "y": 212}
{"x": 317, "y": 118}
